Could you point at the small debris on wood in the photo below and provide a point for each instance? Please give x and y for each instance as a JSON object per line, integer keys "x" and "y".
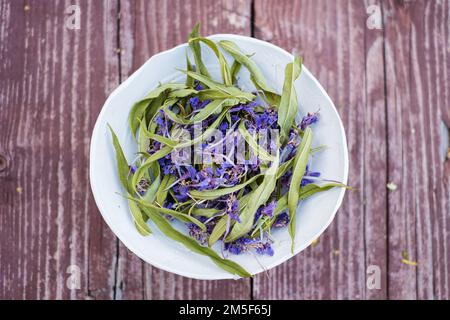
{"x": 315, "y": 242}
{"x": 27, "y": 7}
{"x": 19, "y": 190}
{"x": 406, "y": 260}
{"x": 391, "y": 186}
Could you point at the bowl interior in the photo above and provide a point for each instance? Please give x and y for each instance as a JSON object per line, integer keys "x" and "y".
{"x": 313, "y": 215}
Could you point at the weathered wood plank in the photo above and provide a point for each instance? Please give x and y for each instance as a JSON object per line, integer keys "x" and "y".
{"x": 146, "y": 28}
{"x": 347, "y": 58}
{"x": 417, "y": 82}
{"x": 53, "y": 82}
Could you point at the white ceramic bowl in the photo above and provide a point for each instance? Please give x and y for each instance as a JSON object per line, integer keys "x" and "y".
{"x": 314, "y": 215}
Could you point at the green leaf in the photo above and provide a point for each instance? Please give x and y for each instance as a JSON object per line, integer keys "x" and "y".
{"x": 139, "y": 108}
{"x": 288, "y": 108}
{"x": 214, "y": 94}
{"x": 255, "y": 73}
{"x": 136, "y": 114}
{"x": 164, "y": 87}
{"x": 205, "y": 212}
{"x": 164, "y": 140}
{"x": 258, "y": 150}
{"x": 313, "y": 188}
{"x": 228, "y": 90}
{"x": 189, "y": 80}
{"x": 206, "y": 134}
{"x": 305, "y": 192}
{"x": 258, "y": 197}
{"x": 168, "y": 142}
{"x": 299, "y": 167}
{"x": 196, "y": 50}
{"x": 210, "y": 109}
{"x": 219, "y": 230}
{"x": 284, "y": 167}
{"x": 137, "y": 176}
{"x": 143, "y": 140}
{"x": 175, "y": 214}
{"x": 224, "y": 68}
{"x": 175, "y": 117}
{"x": 220, "y": 227}
{"x": 193, "y": 245}
{"x": 182, "y": 93}
{"x": 139, "y": 220}
{"x": 161, "y": 194}
{"x": 155, "y": 105}
{"x": 150, "y": 194}
{"x": 122, "y": 163}
{"x": 235, "y": 68}
{"x": 214, "y": 194}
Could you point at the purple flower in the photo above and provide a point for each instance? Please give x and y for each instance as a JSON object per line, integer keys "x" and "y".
{"x": 232, "y": 207}
{"x": 204, "y": 103}
{"x": 233, "y": 248}
{"x": 168, "y": 205}
{"x": 163, "y": 123}
{"x": 133, "y": 168}
{"x": 239, "y": 246}
{"x": 198, "y": 234}
{"x": 204, "y": 184}
{"x": 207, "y": 180}
{"x": 282, "y": 220}
{"x": 181, "y": 192}
{"x": 166, "y": 164}
{"x": 267, "y": 119}
{"x": 223, "y": 126}
{"x": 160, "y": 121}
{"x": 312, "y": 174}
{"x": 264, "y": 248}
{"x": 142, "y": 186}
{"x": 308, "y": 120}
{"x": 245, "y": 244}
{"x": 198, "y": 85}
{"x": 248, "y": 107}
{"x": 234, "y": 118}
{"x": 269, "y": 209}
{"x": 191, "y": 172}
{"x": 194, "y": 102}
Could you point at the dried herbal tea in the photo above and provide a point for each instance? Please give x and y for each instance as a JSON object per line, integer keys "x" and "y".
{"x": 230, "y": 165}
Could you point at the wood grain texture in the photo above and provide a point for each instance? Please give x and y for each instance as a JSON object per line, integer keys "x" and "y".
{"x": 146, "y": 28}
{"x": 390, "y": 85}
{"x": 417, "y": 81}
{"x": 347, "y": 59}
{"x": 391, "y": 88}
{"x": 53, "y": 83}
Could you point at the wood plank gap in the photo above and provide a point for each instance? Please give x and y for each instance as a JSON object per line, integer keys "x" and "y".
{"x": 252, "y": 28}
{"x": 363, "y": 165}
{"x": 119, "y": 64}
{"x": 252, "y": 34}
{"x": 387, "y": 146}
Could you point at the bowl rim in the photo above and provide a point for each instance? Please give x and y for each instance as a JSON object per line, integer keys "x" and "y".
{"x": 122, "y": 237}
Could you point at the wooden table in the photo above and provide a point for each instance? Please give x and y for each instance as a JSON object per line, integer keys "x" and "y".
{"x": 386, "y": 65}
